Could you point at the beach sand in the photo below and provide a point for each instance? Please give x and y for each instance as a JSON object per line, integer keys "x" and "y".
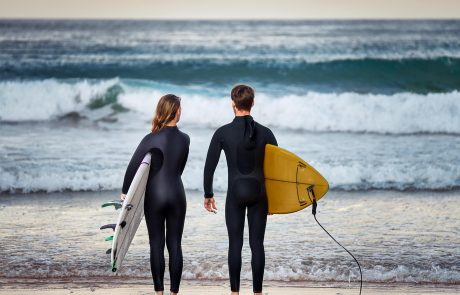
{"x": 55, "y": 289}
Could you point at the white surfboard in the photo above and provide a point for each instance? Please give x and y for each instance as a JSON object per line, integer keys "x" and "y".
{"x": 132, "y": 212}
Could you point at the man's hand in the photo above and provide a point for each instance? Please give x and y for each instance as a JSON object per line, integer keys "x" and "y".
{"x": 122, "y": 197}
{"x": 210, "y": 204}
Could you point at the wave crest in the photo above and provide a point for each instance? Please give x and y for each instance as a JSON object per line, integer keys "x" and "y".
{"x": 52, "y": 99}
{"x": 400, "y": 113}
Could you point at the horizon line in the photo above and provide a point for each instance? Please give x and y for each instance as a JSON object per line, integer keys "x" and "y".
{"x": 236, "y": 19}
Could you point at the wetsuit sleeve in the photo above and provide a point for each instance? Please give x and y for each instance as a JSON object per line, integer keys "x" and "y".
{"x": 134, "y": 164}
{"x": 186, "y": 156}
{"x": 215, "y": 148}
{"x": 271, "y": 138}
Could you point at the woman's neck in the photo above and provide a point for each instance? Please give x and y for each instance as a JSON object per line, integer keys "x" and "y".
{"x": 171, "y": 124}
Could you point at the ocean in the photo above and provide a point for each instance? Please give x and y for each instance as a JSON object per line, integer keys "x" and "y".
{"x": 373, "y": 105}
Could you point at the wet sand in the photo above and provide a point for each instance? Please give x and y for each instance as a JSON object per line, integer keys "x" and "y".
{"x": 187, "y": 289}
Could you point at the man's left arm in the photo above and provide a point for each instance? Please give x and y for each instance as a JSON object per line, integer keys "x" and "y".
{"x": 271, "y": 138}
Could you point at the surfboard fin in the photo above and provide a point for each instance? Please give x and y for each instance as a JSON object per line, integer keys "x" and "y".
{"x": 109, "y": 251}
{"x": 114, "y": 269}
{"x": 109, "y": 238}
{"x": 112, "y": 226}
{"x": 129, "y": 207}
{"x": 310, "y": 189}
{"x": 123, "y": 224}
{"x": 116, "y": 204}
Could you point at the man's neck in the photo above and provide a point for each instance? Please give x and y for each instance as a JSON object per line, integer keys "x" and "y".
{"x": 242, "y": 113}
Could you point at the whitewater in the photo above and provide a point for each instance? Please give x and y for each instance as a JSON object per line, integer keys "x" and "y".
{"x": 400, "y": 113}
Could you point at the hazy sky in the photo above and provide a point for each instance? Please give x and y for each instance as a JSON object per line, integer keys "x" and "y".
{"x": 230, "y": 9}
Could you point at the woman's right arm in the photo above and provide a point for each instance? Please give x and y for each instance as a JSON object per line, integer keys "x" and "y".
{"x": 136, "y": 160}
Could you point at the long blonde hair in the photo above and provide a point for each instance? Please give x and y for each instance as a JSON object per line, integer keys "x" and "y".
{"x": 166, "y": 111}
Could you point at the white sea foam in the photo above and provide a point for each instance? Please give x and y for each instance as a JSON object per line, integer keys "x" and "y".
{"x": 402, "y": 113}
{"x": 357, "y": 175}
{"x": 48, "y": 99}
{"x": 362, "y": 176}
{"x": 286, "y": 273}
{"x": 53, "y": 180}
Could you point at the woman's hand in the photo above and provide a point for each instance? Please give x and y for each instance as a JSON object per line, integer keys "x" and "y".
{"x": 210, "y": 204}
{"x": 122, "y": 197}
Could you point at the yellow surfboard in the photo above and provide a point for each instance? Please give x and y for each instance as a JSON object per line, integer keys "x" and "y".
{"x": 290, "y": 182}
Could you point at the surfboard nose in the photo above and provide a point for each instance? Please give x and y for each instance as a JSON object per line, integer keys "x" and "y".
{"x": 309, "y": 182}
{"x": 287, "y": 180}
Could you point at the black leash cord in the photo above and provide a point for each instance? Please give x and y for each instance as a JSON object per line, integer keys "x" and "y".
{"x": 313, "y": 211}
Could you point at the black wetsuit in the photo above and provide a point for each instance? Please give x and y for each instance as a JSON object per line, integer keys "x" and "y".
{"x": 243, "y": 142}
{"x": 164, "y": 199}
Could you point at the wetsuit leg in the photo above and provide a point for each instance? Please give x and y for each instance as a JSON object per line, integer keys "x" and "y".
{"x": 257, "y": 220}
{"x": 156, "y": 228}
{"x": 174, "y": 228}
{"x": 234, "y": 218}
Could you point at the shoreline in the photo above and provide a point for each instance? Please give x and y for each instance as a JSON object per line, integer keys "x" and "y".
{"x": 115, "y": 192}
{"x": 123, "y": 280}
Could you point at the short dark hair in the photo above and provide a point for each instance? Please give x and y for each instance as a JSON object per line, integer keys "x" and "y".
{"x": 243, "y": 97}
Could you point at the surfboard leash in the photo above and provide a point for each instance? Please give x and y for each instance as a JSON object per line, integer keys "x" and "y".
{"x": 313, "y": 211}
